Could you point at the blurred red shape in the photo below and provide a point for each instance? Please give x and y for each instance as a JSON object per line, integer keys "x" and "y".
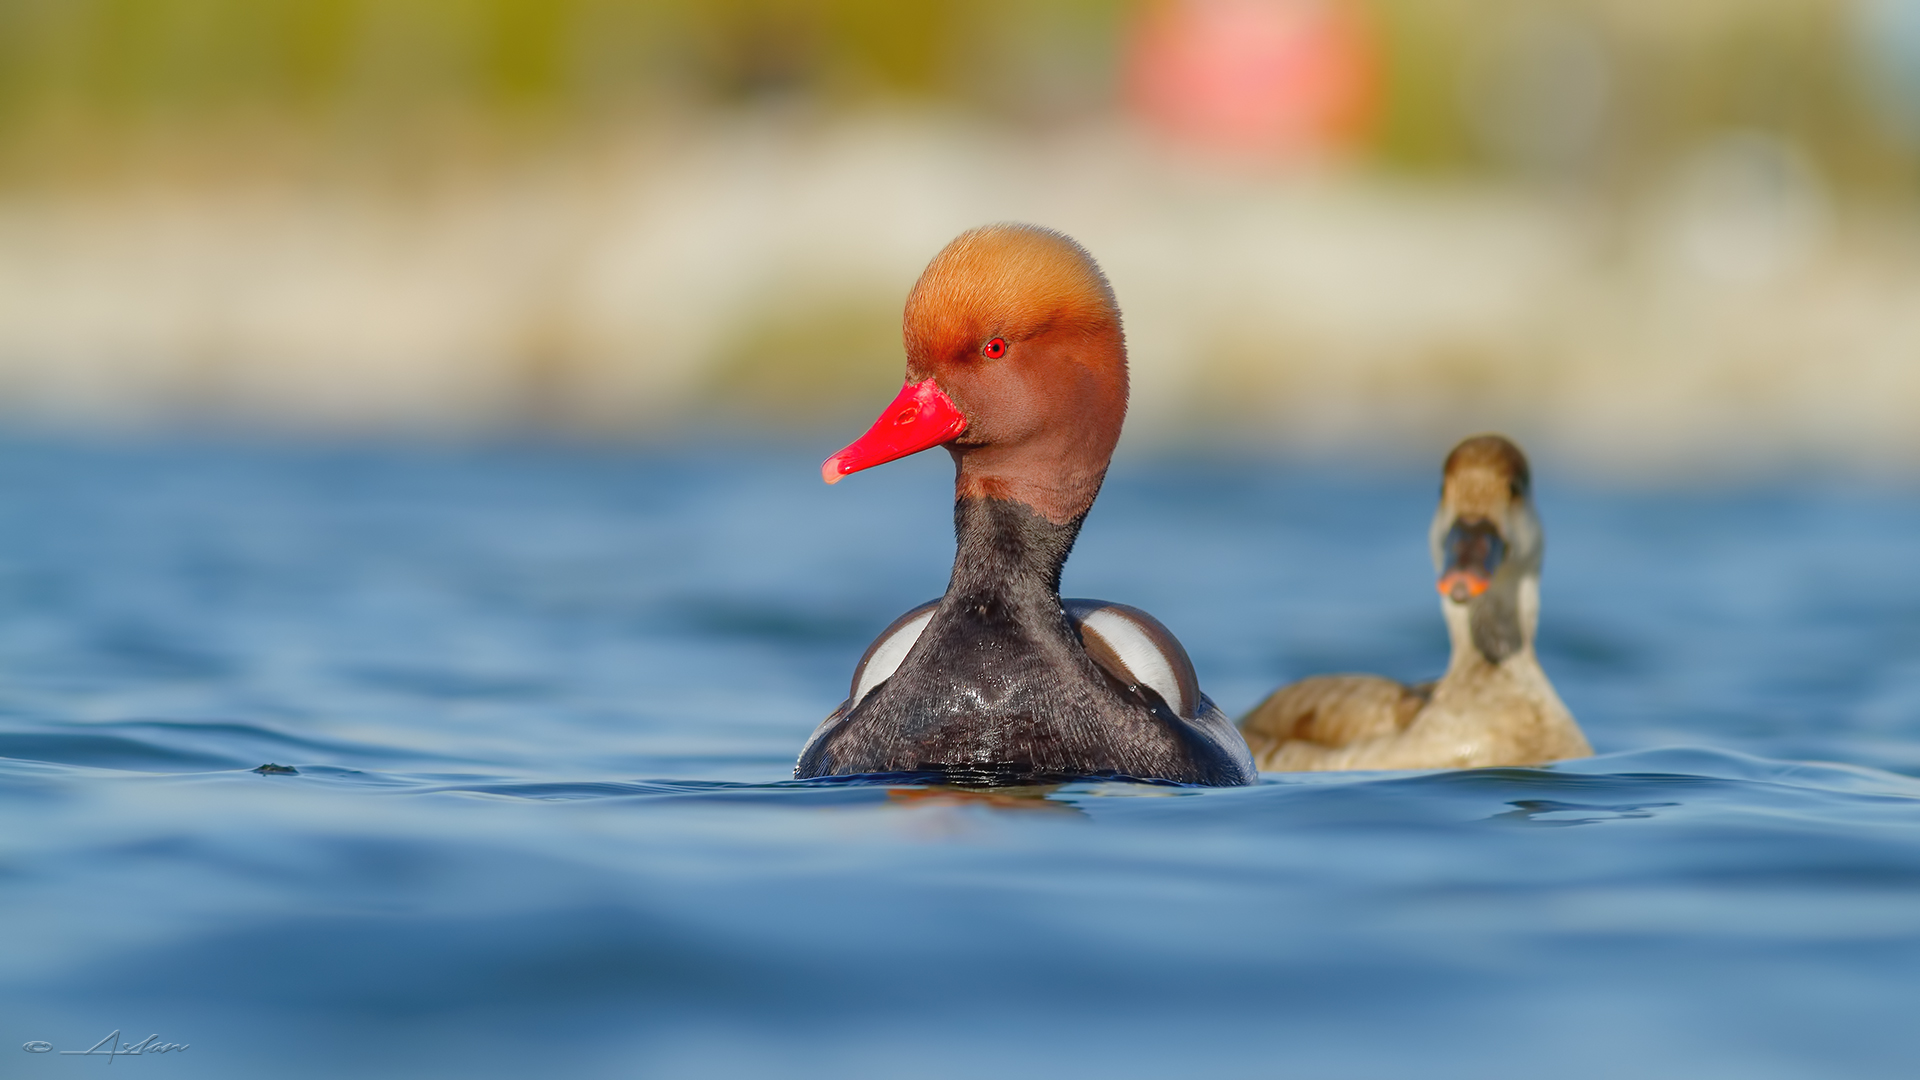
{"x": 1263, "y": 78}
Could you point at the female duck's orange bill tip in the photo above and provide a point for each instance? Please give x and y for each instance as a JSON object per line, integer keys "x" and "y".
{"x": 1460, "y": 586}
{"x": 920, "y": 417}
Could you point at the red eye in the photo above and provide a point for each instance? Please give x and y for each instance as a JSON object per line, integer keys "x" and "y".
{"x": 995, "y": 349}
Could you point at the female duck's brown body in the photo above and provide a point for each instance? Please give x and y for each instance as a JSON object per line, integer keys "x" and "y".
{"x": 1017, "y": 365}
{"x": 1494, "y": 705}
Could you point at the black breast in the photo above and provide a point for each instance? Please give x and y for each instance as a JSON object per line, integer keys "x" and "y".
{"x": 995, "y": 692}
{"x": 999, "y": 687}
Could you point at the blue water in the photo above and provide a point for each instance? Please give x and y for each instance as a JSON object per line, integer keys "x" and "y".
{"x": 543, "y": 702}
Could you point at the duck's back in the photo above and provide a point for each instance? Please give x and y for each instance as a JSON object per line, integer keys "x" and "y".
{"x": 1299, "y": 724}
{"x": 1488, "y": 717}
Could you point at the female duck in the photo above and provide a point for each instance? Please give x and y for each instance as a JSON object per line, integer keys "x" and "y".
{"x": 1494, "y": 706}
{"x": 1016, "y": 364}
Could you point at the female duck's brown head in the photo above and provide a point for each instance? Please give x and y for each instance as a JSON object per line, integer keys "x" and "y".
{"x": 1487, "y": 545}
{"x": 1015, "y": 363}
{"x": 1485, "y": 530}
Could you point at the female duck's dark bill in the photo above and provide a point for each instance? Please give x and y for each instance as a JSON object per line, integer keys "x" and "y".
{"x": 1474, "y": 550}
{"x": 920, "y": 418}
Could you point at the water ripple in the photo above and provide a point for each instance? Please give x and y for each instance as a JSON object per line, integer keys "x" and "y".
{"x": 541, "y": 705}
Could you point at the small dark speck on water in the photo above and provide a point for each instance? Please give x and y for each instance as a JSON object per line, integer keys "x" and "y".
{"x": 270, "y": 769}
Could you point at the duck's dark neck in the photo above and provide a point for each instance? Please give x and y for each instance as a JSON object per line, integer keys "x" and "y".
{"x": 1498, "y": 625}
{"x": 1007, "y": 551}
{"x": 1495, "y": 622}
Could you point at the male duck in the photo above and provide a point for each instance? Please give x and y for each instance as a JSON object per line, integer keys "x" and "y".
{"x": 1017, "y": 365}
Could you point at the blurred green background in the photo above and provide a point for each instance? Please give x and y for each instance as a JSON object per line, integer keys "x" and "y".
{"x": 86, "y": 80}
{"x": 1656, "y": 235}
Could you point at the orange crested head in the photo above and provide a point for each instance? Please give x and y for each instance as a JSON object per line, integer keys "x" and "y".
{"x": 1016, "y": 362}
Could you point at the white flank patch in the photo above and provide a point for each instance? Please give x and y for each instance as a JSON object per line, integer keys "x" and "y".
{"x": 1135, "y": 647}
{"x": 887, "y": 657}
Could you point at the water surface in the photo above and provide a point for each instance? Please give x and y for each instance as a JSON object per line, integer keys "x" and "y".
{"x": 543, "y": 703}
